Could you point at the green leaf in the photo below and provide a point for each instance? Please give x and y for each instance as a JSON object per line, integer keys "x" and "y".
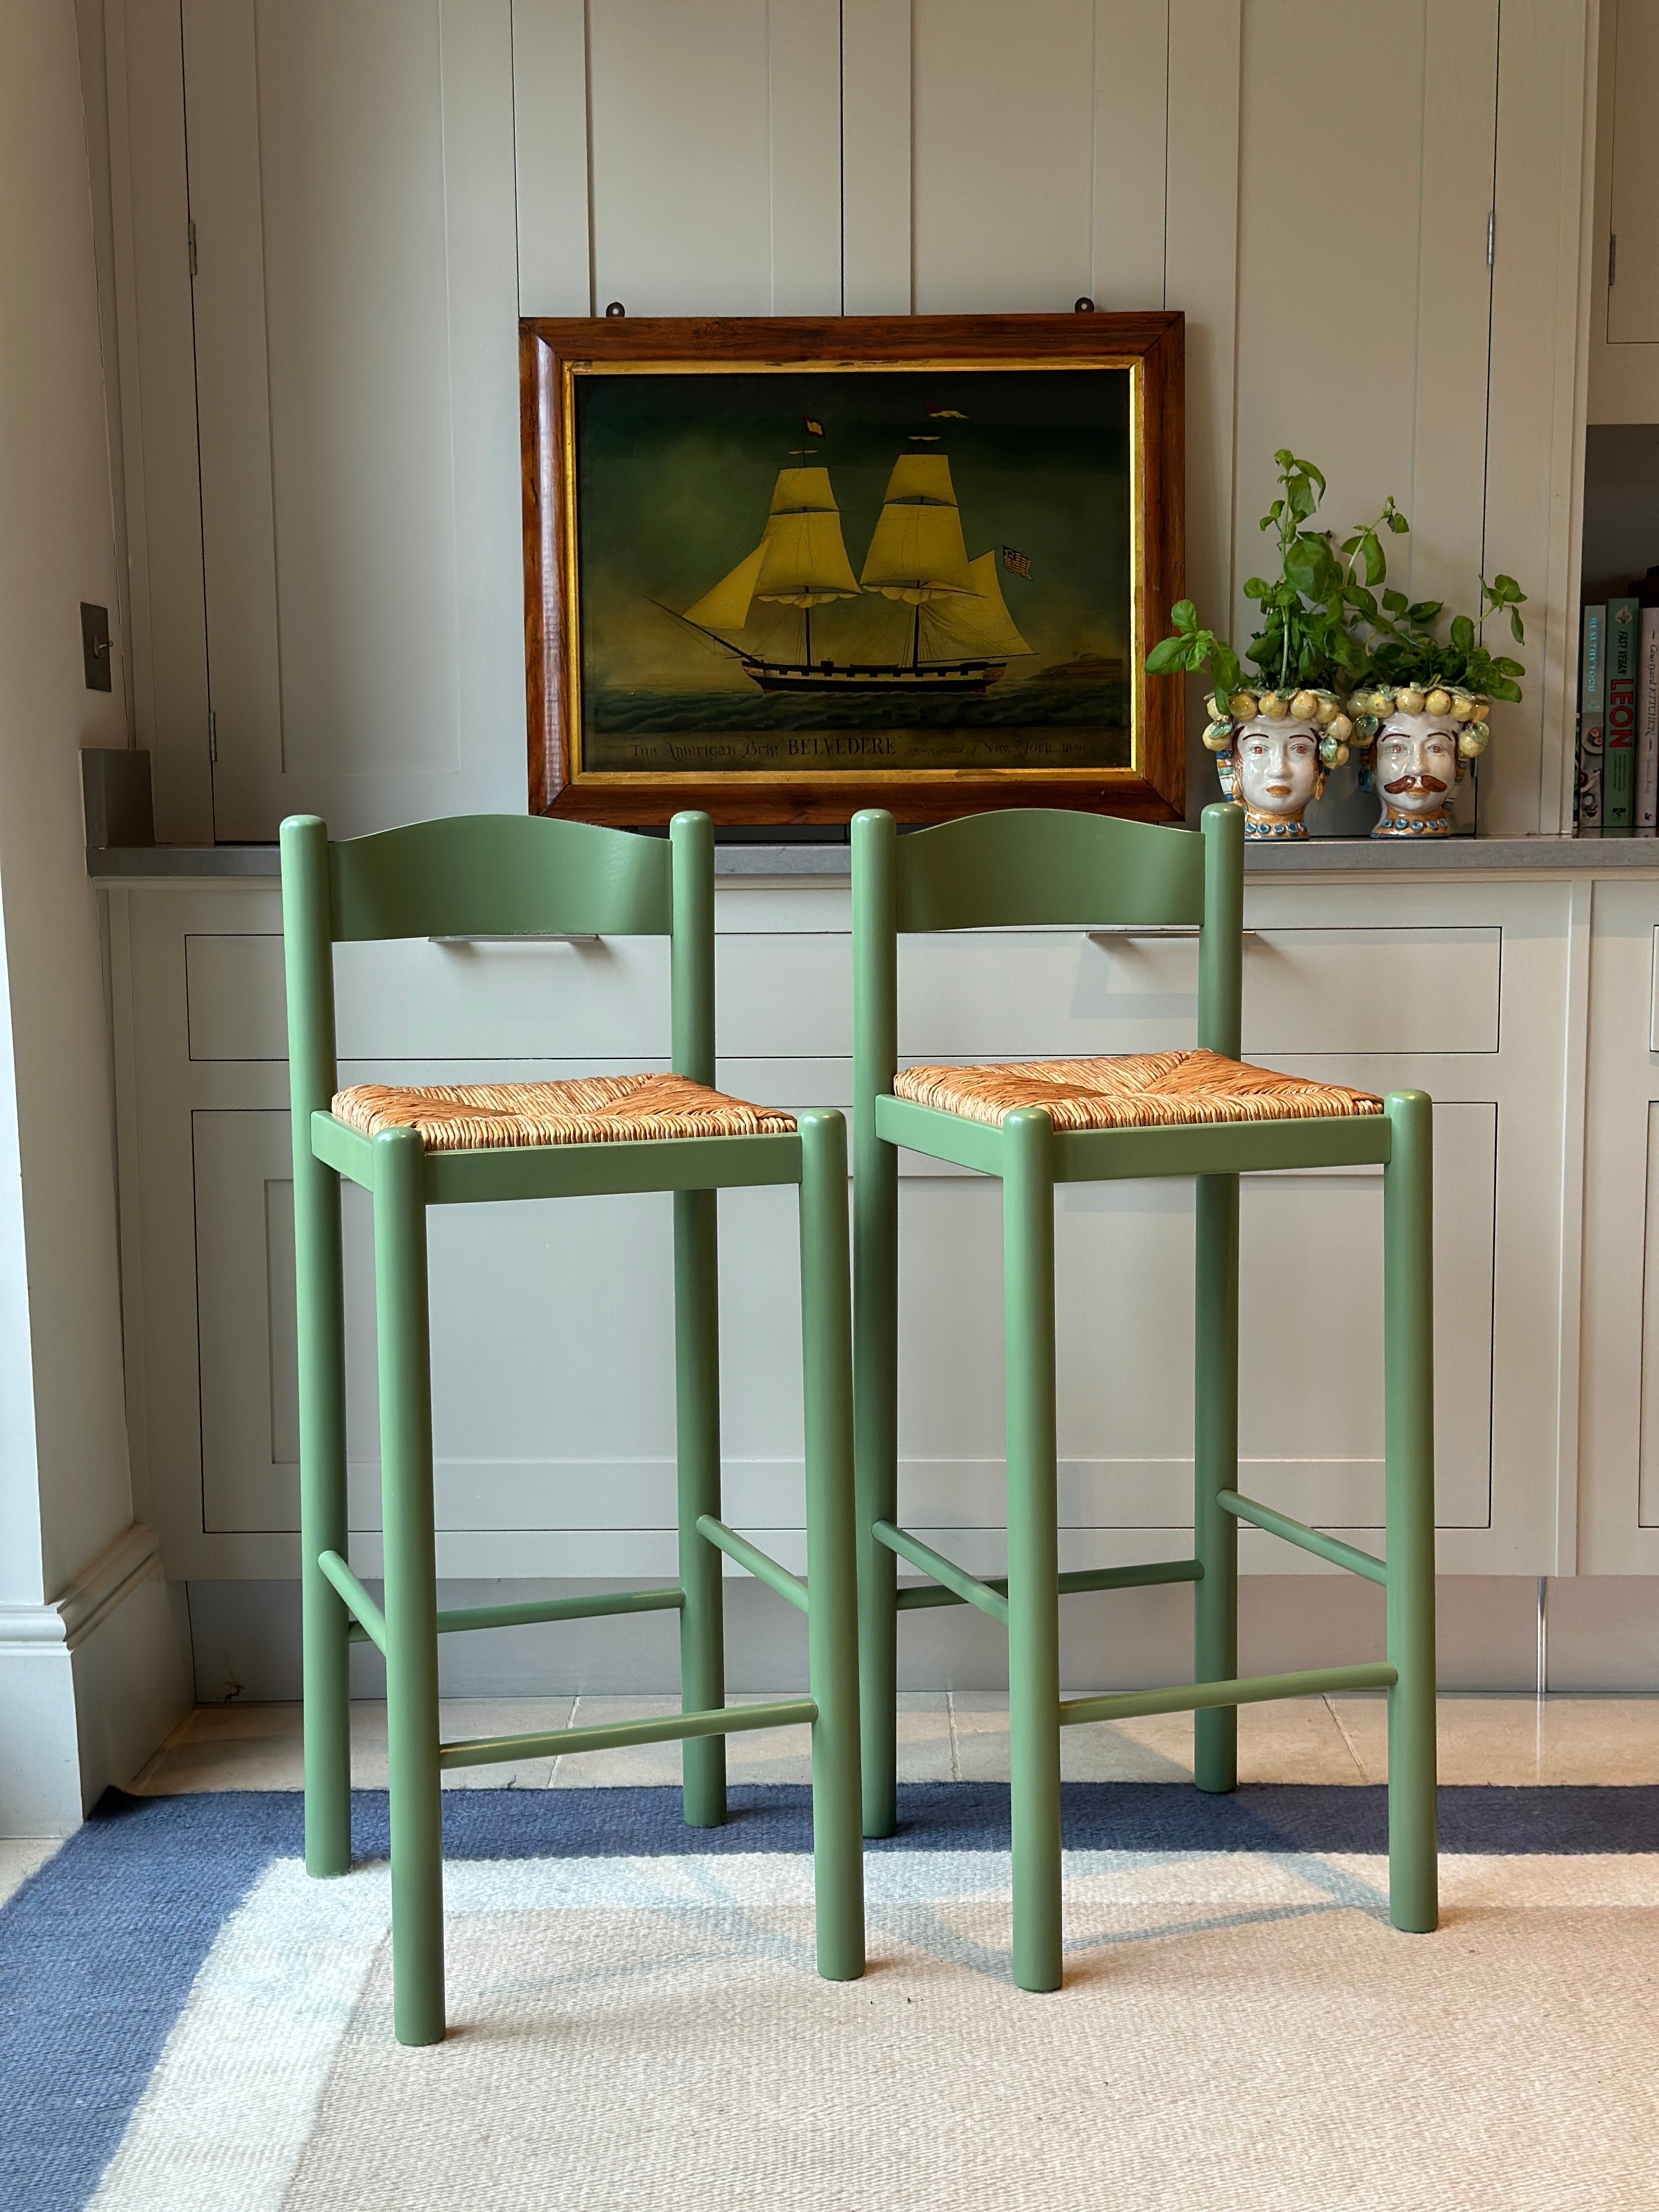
{"x": 1308, "y": 564}
{"x": 1508, "y": 589}
{"x": 1224, "y": 661}
{"x": 1463, "y": 633}
{"x": 1504, "y": 689}
{"x": 1397, "y": 523}
{"x": 1395, "y": 601}
{"x": 1167, "y": 658}
{"x": 1425, "y": 610}
{"x": 1184, "y": 615}
{"x": 1515, "y": 630}
{"x": 1375, "y": 567}
{"x": 1363, "y": 601}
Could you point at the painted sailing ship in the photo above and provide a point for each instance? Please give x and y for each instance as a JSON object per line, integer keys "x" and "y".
{"x": 960, "y": 639}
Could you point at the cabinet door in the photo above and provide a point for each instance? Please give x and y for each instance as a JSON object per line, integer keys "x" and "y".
{"x": 1618, "y": 1458}
{"x": 351, "y": 187}
{"x": 1633, "y": 290}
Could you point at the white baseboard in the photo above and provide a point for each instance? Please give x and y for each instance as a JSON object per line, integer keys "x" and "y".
{"x": 90, "y": 1683}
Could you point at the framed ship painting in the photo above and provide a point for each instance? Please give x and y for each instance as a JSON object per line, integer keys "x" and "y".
{"x": 783, "y": 569}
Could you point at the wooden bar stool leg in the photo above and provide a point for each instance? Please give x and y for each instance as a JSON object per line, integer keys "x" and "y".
{"x": 323, "y": 1518}
{"x": 697, "y": 1444}
{"x": 831, "y": 1569}
{"x": 1409, "y": 1361}
{"x": 875, "y": 1368}
{"x": 1215, "y": 1468}
{"x": 1027, "y": 1241}
{"x": 411, "y": 1596}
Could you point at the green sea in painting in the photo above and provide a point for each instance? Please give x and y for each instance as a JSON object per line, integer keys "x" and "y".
{"x": 815, "y": 570}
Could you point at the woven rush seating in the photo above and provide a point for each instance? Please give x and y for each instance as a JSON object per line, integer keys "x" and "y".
{"x": 588, "y": 1109}
{"x": 1138, "y": 1091}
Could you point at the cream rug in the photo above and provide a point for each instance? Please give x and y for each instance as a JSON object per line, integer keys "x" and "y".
{"x": 1236, "y": 2031}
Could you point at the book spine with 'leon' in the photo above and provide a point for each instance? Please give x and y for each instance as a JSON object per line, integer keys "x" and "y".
{"x": 1592, "y": 707}
{"x": 1619, "y": 768}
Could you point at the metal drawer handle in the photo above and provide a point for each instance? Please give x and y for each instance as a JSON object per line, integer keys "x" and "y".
{"x": 526, "y": 936}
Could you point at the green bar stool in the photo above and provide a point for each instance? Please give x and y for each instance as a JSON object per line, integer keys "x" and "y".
{"x": 509, "y": 875}
{"x": 1201, "y": 1114}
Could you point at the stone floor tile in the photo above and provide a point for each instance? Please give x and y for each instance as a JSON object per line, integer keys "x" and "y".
{"x": 1518, "y": 1740}
{"x": 227, "y": 1747}
{"x": 20, "y": 1857}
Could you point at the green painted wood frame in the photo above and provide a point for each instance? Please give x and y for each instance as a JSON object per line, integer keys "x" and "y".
{"x": 1034, "y": 868}
{"x": 500, "y": 875}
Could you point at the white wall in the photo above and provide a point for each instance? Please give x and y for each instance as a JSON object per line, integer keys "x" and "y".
{"x": 72, "y": 1573}
{"x": 381, "y": 187}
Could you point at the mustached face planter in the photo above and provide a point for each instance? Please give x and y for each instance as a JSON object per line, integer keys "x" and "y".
{"x": 1425, "y": 740}
{"x": 1273, "y": 751}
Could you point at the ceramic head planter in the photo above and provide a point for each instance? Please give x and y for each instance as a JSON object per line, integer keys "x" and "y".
{"x": 1272, "y": 752}
{"x": 1277, "y": 735}
{"x": 1428, "y": 715}
{"x": 1424, "y": 741}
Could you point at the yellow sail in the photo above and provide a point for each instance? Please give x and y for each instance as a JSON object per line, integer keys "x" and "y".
{"x": 800, "y": 561}
{"x": 923, "y": 477}
{"x": 804, "y": 561}
{"x": 917, "y": 554}
{"x": 727, "y": 607}
{"x": 979, "y": 628}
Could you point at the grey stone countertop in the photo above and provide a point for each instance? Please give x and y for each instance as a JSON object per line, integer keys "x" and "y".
{"x": 137, "y": 865}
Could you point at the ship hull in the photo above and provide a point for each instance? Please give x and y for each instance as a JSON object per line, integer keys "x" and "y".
{"x": 863, "y": 683}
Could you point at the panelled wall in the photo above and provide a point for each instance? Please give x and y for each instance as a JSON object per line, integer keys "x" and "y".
{"x": 1369, "y": 212}
{"x": 325, "y": 217}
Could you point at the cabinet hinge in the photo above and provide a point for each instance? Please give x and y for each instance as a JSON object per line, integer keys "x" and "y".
{"x": 213, "y": 738}
{"x": 1492, "y": 232}
{"x": 1613, "y": 260}
{"x": 190, "y": 231}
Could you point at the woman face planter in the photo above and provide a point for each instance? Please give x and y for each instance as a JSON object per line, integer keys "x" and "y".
{"x": 1417, "y": 764}
{"x": 1276, "y": 772}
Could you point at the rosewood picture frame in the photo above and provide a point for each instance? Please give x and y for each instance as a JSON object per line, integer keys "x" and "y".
{"x": 554, "y": 353}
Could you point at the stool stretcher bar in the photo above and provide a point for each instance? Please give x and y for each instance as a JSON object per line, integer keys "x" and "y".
{"x": 371, "y": 1621}
{"x": 967, "y": 1589}
{"x": 668, "y": 1728}
{"x": 668, "y": 1598}
{"x": 763, "y": 1567}
{"x": 1310, "y": 1539}
{"x": 1249, "y": 1690}
{"x": 911, "y": 1597}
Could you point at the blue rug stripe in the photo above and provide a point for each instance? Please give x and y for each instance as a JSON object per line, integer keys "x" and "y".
{"x": 1124, "y": 1816}
{"x": 100, "y": 1949}
{"x": 97, "y": 1952}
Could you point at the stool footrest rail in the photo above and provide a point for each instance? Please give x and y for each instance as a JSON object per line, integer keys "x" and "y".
{"x": 1249, "y": 1690}
{"x": 915, "y": 1596}
{"x": 763, "y": 1567}
{"x": 1310, "y": 1539}
{"x": 965, "y": 1589}
{"x": 666, "y": 1728}
{"x": 369, "y": 1625}
{"x": 668, "y": 1598}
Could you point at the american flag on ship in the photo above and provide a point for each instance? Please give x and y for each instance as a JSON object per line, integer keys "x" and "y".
{"x": 1017, "y": 564}
{"x": 813, "y": 427}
